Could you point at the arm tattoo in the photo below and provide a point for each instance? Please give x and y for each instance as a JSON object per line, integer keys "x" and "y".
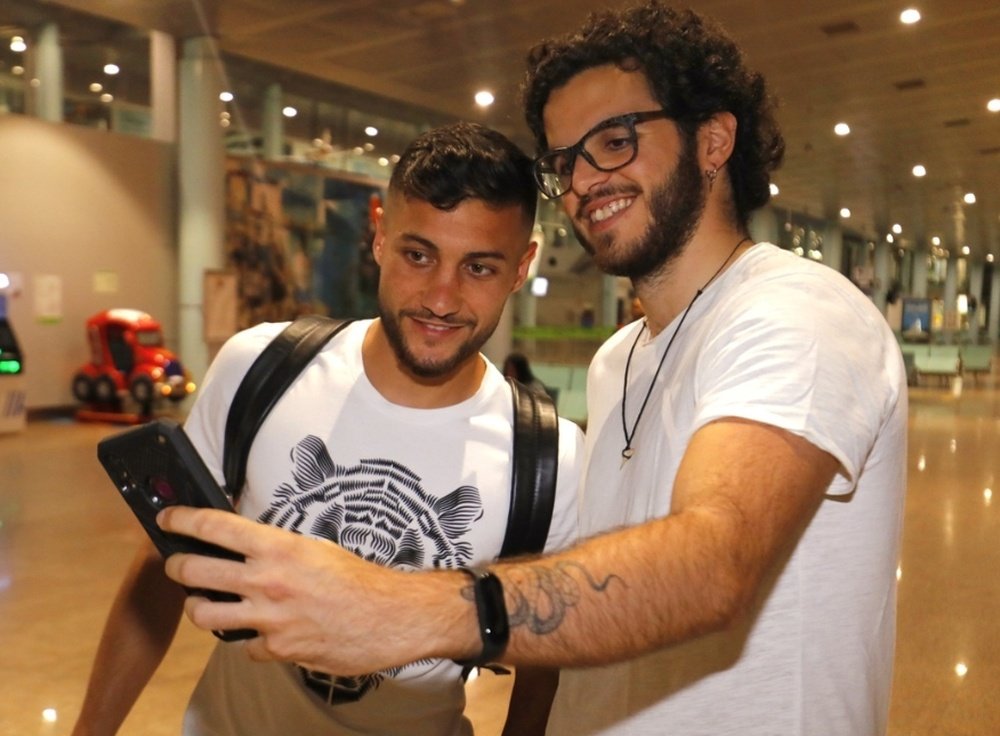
{"x": 542, "y": 599}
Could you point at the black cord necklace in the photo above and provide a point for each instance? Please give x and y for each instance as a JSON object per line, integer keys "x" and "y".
{"x": 628, "y": 452}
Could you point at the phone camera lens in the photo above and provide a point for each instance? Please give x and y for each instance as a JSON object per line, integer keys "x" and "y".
{"x": 163, "y": 493}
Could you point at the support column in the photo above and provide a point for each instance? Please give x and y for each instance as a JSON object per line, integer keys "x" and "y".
{"x": 833, "y": 245}
{"x": 918, "y": 285}
{"x": 882, "y": 277}
{"x": 163, "y": 86}
{"x": 764, "y": 225}
{"x": 975, "y": 298}
{"x": 46, "y": 67}
{"x": 272, "y": 123}
{"x": 201, "y": 202}
{"x": 993, "y": 331}
{"x": 950, "y": 299}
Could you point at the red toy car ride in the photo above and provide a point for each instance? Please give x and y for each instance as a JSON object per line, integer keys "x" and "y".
{"x": 127, "y": 358}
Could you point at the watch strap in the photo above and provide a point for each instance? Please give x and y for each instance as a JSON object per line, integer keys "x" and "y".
{"x": 491, "y": 610}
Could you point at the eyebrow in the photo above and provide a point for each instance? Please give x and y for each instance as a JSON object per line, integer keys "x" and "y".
{"x": 474, "y": 255}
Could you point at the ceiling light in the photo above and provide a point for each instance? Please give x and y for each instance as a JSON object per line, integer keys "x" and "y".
{"x": 107, "y": 97}
{"x": 17, "y": 70}
{"x": 935, "y": 240}
{"x": 845, "y": 213}
{"x": 371, "y": 131}
{"x": 989, "y": 258}
{"x": 111, "y": 69}
{"x": 394, "y": 158}
{"x": 897, "y": 228}
{"x": 889, "y": 238}
{"x": 919, "y": 170}
{"x": 909, "y": 16}
{"x": 96, "y": 87}
{"x": 226, "y": 96}
{"x": 993, "y": 105}
{"x": 17, "y": 44}
{"x": 774, "y": 190}
{"x": 358, "y": 150}
{"x": 484, "y": 98}
{"x": 842, "y": 129}
{"x": 969, "y": 198}
{"x": 966, "y": 250}
{"x": 289, "y": 111}
{"x": 383, "y": 161}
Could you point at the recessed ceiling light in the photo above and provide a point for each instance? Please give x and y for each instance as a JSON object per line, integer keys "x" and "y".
{"x": 919, "y": 170}
{"x": 289, "y": 111}
{"x": 993, "y": 105}
{"x": 845, "y": 213}
{"x": 774, "y": 190}
{"x": 17, "y": 45}
{"x": 966, "y": 250}
{"x": 369, "y": 147}
{"x": 935, "y": 240}
{"x": 970, "y": 198}
{"x": 111, "y": 69}
{"x": 842, "y": 129}
{"x": 17, "y": 70}
{"x": 383, "y": 161}
{"x": 107, "y": 97}
{"x": 371, "y": 131}
{"x": 484, "y": 98}
{"x": 897, "y": 228}
{"x": 226, "y": 96}
{"x": 989, "y": 258}
{"x": 96, "y": 86}
{"x": 889, "y": 238}
{"x": 910, "y": 16}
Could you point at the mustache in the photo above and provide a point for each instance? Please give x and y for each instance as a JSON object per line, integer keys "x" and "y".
{"x": 426, "y": 314}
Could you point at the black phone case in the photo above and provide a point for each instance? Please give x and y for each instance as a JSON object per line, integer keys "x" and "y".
{"x": 154, "y": 466}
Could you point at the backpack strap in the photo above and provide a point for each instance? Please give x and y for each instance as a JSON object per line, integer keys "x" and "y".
{"x": 274, "y": 370}
{"x": 534, "y": 471}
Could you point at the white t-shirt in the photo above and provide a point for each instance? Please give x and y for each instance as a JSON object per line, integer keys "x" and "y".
{"x": 790, "y": 343}
{"x": 411, "y": 488}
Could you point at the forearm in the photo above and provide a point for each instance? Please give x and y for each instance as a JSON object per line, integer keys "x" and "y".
{"x": 138, "y": 632}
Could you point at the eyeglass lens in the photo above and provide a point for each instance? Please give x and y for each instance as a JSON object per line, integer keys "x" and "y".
{"x": 606, "y": 149}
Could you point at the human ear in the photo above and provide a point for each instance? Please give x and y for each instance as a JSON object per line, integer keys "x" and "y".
{"x": 378, "y": 241}
{"x": 716, "y": 140}
{"x": 524, "y": 264}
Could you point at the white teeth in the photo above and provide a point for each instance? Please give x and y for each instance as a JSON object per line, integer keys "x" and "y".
{"x": 599, "y": 215}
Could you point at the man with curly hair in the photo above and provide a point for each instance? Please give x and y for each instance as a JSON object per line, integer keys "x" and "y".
{"x": 746, "y": 439}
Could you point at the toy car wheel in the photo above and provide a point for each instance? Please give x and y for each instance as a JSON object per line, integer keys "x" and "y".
{"x": 83, "y": 388}
{"x": 104, "y": 390}
{"x": 142, "y": 390}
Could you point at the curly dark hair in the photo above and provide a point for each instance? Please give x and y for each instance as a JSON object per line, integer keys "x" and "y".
{"x": 461, "y": 161}
{"x": 694, "y": 70}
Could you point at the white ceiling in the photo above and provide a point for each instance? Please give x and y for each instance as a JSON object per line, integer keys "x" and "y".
{"x": 911, "y": 94}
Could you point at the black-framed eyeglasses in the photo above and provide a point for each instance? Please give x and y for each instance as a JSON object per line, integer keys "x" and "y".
{"x": 608, "y": 146}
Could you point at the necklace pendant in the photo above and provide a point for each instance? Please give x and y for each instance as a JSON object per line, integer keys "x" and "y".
{"x": 627, "y": 454}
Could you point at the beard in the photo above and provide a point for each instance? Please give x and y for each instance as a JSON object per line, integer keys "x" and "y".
{"x": 675, "y": 208}
{"x": 429, "y": 368}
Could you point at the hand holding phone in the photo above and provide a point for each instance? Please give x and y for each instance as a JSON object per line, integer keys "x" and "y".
{"x": 155, "y": 466}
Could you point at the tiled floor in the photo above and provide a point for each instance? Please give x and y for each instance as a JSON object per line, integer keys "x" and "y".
{"x": 65, "y": 541}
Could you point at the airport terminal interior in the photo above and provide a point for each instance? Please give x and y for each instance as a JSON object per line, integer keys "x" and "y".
{"x": 135, "y": 132}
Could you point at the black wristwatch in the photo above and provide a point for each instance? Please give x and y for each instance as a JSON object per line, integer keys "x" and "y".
{"x": 491, "y": 608}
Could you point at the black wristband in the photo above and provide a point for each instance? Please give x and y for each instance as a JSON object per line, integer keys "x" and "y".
{"x": 491, "y": 609}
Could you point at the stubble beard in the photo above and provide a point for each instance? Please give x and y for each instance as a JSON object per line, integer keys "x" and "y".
{"x": 423, "y": 368}
{"x": 675, "y": 207}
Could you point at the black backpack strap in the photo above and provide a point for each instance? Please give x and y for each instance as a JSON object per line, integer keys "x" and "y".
{"x": 534, "y": 471}
{"x": 274, "y": 370}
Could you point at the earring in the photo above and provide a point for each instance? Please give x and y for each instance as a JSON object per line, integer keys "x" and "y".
{"x": 714, "y": 172}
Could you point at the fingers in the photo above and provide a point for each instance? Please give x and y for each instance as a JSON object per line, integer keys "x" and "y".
{"x": 223, "y": 528}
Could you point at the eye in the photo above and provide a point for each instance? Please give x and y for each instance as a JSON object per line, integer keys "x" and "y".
{"x": 417, "y": 257}
{"x": 481, "y": 269}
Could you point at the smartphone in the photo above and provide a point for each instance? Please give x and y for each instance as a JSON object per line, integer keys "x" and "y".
{"x": 155, "y": 466}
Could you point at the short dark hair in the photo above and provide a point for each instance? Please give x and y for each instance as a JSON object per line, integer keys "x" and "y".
{"x": 461, "y": 161}
{"x": 694, "y": 70}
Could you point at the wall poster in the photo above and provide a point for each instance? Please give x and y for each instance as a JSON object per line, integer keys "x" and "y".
{"x": 299, "y": 239}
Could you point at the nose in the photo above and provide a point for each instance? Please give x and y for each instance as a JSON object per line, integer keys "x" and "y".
{"x": 586, "y": 176}
{"x": 442, "y": 296}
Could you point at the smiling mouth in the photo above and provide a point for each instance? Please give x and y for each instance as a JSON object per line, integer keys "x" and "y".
{"x": 611, "y": 208}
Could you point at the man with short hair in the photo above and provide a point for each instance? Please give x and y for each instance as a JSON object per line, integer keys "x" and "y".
{"x": 395, "y": 443}
{"x": 746, "y": 440}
